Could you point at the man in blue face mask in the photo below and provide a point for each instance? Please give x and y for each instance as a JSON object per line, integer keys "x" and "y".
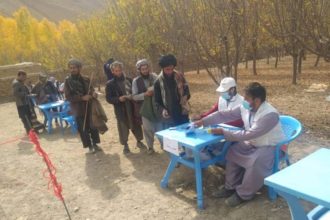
{"x": 228, "y": 99}
{"x": 250, "y": 159}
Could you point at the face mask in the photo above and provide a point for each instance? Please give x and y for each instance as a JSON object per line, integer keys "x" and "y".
{"x": 246, "y": 105}
{"x": 225, "y": 95}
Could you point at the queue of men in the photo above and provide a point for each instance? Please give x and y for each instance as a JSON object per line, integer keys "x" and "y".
{"x": 150, "y": 103}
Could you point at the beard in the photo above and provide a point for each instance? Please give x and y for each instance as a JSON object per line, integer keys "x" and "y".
{"x": 145, "y": 76}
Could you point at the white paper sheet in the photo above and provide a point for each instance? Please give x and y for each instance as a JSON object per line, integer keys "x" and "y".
{"x": 171, "y": 146}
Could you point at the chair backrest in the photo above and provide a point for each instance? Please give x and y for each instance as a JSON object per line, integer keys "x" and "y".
{"x": 33, "y": 99}
{"x": 65, "y": 109}
{"x": 292, "y": 128}
{"x": 66, "y": 106}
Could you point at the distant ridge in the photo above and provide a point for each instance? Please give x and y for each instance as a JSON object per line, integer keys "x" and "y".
{"x": 54, "y": 10}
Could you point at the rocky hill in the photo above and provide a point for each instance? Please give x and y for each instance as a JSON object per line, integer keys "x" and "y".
{"x": 54, "y": 10}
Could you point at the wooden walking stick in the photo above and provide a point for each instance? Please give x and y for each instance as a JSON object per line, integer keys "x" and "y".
{"x": 89, "y": 87}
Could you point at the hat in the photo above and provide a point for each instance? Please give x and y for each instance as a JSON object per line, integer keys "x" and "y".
{"x": 52, "y": 79}
{"x": 225, "y": 84}
{"x": 75, "y": 62}
{"x": 167, "y": 60}
{"x": 141, "y": 63}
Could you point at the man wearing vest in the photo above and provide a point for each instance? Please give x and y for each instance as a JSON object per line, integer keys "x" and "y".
{"x": 171, "y": 93}
{"x": 228, "y": 99}
{"x": 143, "y": 91}
{"x": 119, "y": 93}
{"x": 251, "y": 158}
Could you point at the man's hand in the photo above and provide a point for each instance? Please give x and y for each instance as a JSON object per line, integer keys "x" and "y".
{"x": 165, "y": 114}
{"x": 95, "y": 94}
{"x": 129, "y": 97}
{"x": 86, "y": 97}
{"x": 198, "y": 123}
{"x": 149, "y": 93}
{"x": 195, "y": 117}
{"x": 122, "y": 98}
{"x": 217, "y": 131}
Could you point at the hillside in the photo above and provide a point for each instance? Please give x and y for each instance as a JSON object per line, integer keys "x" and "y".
{"x": 54, "y": 10}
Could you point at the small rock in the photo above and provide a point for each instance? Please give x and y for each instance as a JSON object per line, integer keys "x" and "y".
{"x": 327, "y": 98}
{"x": 275, "y": 209}
{"x": 116, "y": 181}
{"x": 179, "y": 190}
{"x": 76, "y": 209}
{"x": 98, "y": 160}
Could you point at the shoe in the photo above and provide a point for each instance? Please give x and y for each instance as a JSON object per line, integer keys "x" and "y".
{"x": 126, "y": 149}
{"x": 140, "y": 145}
{"x": 223, "y": 193}
{"x": 91, "y": 149}
{"x": 97, "y": 148}
{"x": 150, "y": 151}
{"x": 234, "y": 200}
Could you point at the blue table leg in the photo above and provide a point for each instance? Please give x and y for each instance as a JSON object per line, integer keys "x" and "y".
{"x": 296, "y": 209}
{"x": 61, "y": 124}
{"x": 170, "y": 168}
{"x": 49, "y": 121}
{"x": 199, "y": 182}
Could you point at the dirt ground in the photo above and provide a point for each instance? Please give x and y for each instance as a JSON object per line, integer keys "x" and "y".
{"x": 109, "y": 185}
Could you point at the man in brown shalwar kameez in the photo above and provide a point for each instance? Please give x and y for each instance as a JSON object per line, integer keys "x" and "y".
{"x": 79, "y": 93}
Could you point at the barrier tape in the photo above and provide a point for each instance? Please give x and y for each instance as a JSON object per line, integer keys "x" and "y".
{"x": 57, "y": 187}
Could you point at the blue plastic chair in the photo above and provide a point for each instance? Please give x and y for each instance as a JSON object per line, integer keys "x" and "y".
{"x": 72, "y": 122}
{"x": 318, "y": 212}
{"x": 64, "y": 115}
{"x": 292, "y": 128}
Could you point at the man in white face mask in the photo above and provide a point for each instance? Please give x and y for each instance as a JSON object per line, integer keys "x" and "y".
{"x": 228, "y": 99}
{"x": 250, "y": 159}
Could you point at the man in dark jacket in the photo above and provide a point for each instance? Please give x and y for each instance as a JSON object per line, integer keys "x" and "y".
{"x": 45, "y": 90}
{"x": 171, "y": 93}
{"x": 119, "y": 93}
{"x": 78, "y": 91}
{"x": 21, "y": 92}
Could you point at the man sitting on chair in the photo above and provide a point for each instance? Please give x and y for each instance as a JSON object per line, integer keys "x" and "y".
{"x": 228, "y": 99}
{"x": 251, "y": 158}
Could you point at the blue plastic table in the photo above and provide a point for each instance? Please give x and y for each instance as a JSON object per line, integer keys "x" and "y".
{"x": 49, "y": 115}
{"x": 196, "y": 143}
{"x": 308, "y": 179}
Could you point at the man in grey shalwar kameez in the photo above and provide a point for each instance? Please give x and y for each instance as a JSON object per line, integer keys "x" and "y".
{"x": 142, "y": 93}
{"x": 251, "y": 158}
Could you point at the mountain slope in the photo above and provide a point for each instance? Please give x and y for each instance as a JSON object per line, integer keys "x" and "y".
{"x": 54, "y": 10}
